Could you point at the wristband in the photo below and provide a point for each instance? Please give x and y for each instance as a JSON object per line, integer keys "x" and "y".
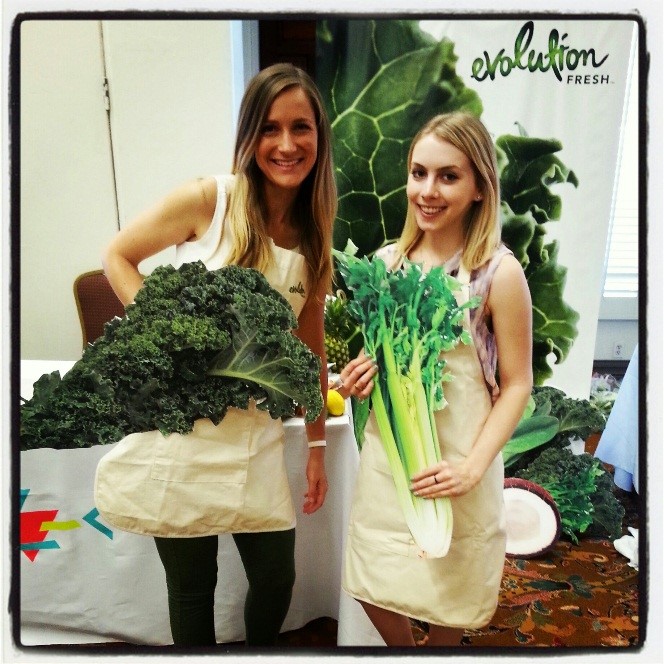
{"x": 317, "y": 443}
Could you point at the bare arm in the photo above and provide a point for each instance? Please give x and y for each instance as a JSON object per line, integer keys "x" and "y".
{"x": 511, "y": 313}
{"x": 311, "y": 332}
{"x": 184, "y": 214}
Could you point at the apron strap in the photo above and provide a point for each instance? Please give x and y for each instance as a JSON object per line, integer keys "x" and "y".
{"x": 463, "y": 277}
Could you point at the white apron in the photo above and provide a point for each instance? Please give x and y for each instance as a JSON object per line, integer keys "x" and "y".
{"x": 382, "y": 564}
{"x": 155, "y": 485}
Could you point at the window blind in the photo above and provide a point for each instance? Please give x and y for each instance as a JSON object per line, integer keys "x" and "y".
{"x": 622, "y": 262}
{"x": 622, "y": 272}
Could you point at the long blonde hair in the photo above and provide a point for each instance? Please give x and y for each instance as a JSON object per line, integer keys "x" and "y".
{"x": 316, "y": 202}
{"x": 482, "y": 228}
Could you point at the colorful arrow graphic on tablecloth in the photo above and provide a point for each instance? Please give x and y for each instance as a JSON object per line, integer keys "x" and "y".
{"x": 33, "y": 536}
{"x": 35, "y": 525}
{"x": 91, "y": 518}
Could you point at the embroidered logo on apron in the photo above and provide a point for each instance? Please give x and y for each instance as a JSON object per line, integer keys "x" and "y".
{"x": 297, "y": 289}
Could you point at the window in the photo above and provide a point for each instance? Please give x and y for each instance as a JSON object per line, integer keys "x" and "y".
{"x": 622, "y": 262}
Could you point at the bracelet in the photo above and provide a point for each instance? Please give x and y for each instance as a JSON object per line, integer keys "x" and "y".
{"x": 317, "y": 443}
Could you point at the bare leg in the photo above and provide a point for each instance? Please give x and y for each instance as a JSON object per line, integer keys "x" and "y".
{"x": 444, "y": 636}
{"x": 393, "y": 627}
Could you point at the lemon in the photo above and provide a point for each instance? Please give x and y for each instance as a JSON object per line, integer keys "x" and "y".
{"x": 335, "y": 403}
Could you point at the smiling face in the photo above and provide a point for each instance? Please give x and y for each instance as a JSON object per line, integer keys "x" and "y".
{"x": 288, "y": 144}
{"x": 441, "y": 187}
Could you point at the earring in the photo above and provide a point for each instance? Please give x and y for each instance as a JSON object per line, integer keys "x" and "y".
{"x": 478, "y": 198}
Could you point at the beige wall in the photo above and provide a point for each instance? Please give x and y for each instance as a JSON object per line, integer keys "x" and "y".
{"x": 67, "y": 209}
{"x": 171, "y": 120}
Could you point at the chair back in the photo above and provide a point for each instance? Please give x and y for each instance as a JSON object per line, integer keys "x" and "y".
{"x": 96, "y": 304}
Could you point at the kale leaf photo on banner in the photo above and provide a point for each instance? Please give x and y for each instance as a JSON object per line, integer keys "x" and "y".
{"x": 381, "y": 81}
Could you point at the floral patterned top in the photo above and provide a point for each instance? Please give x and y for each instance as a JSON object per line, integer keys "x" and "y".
{"x": 480, "y": 323}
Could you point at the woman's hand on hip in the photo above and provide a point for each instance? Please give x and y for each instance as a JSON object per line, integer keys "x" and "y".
{"x": 444, "y": 479}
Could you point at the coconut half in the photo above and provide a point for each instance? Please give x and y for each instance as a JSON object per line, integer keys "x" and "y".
{"x": 532, "y": 518}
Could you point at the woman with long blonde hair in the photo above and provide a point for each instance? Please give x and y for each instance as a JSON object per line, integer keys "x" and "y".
{"x": 452, "y": 221}
{"x": 274, "y": 212}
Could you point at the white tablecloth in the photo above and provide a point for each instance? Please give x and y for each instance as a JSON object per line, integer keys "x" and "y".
{"x": 83, "y": 582}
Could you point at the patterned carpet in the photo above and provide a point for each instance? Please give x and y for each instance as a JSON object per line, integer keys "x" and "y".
{"x": 576, "y": 596}
{"x": 583, "y": 595}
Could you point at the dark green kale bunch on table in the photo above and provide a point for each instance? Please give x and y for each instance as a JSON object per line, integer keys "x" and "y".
{"x": 582, "y": 490}
{"x": 194, "y": 343}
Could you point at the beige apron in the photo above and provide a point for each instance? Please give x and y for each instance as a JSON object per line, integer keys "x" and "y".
{"x": 156, "y": 485}
{"x": 382, "y": 562}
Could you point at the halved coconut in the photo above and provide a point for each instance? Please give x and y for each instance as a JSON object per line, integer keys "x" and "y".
{"x": 532, "y": 518}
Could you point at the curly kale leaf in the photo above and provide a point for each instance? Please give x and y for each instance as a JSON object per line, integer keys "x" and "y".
{"x": 570, "y": 481}
{"x": 260, "y": 354}
{"x": 608, "y": 512}
{"x": 578, "y": 417}
{"x": 574, "y": 483}
{"x": 575, "y": 418}
{"x": 528, "y": 168}
{"x": 554, "y": 321}
{"x": 77, "y": 410}
{"x": 150, "y": 369}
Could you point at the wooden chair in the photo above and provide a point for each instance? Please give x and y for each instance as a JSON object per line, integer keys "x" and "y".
{"x": 96, "y": 304}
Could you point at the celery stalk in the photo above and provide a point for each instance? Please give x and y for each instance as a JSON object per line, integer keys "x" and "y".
{"x": 408, "y": 319}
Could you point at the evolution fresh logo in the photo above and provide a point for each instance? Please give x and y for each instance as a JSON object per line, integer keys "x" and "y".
{"x": 560, "y": 59}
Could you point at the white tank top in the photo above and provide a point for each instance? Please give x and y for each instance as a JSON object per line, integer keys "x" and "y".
{"x": 286, "y": 273}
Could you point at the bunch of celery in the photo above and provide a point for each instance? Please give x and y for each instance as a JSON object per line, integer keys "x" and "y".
{"x": 408, "y": 319}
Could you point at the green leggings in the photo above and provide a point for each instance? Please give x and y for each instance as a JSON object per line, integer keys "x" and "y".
{"x": 191, "y": 578}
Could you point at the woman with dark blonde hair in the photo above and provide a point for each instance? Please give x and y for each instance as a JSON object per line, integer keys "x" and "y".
{"x": 452, "y": 221}
{"x": 274, "y": 212}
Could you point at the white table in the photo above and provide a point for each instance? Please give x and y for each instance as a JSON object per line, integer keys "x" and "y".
{"x": 90, "y": 583}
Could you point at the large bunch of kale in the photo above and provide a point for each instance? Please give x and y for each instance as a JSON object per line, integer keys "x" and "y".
{"x": 539, "y": 452}
{"x": 194, "y": 343}
{"x": 552, "y": 419}
{"x": 583, "y": 492}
